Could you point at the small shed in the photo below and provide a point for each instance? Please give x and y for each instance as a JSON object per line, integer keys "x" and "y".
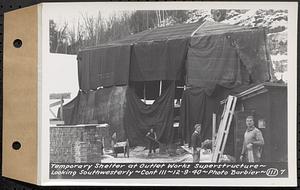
{"x": 267, "y": 102}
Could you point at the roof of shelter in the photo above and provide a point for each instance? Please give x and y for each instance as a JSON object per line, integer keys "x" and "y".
{"x": 213, "y": 28}
{"x": 255, "y": 89}
{"x": 177, "y": 31}
{"x": 162, "y": 33}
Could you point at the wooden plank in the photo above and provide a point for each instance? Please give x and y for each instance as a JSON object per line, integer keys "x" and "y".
{"x": 247, "y": 92}
{"x": 56, "y": 122}
{"x": 224, "y": 127}
{"x": 214, "y": 120}
{"x": 53, "y": 114}
{"x": 61, "y": 109}
{"x": 144, "y": 92}
{"x": 186, "y": 148}
{"x": 160, "y": 87}
{"x": 60, "y": 96}
{"x": 56, "y": 103}
{"x": 228, "y": 124}
{"x": 254, "y": 94}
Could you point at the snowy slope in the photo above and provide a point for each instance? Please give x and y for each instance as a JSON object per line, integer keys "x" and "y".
{"x": 274, "y": 21}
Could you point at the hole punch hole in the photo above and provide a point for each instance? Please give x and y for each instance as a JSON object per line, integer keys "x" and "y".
{"x": 18, "y": 43}
{"x": 16, "y": 145}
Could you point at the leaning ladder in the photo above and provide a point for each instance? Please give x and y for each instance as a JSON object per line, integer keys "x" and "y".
{"x": 224, "y": 128}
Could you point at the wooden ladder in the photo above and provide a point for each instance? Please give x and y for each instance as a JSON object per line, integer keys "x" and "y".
{"x": 224, "y": 127}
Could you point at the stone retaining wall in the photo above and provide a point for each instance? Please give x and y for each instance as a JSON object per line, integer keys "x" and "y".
{"x": 78, "y": 143}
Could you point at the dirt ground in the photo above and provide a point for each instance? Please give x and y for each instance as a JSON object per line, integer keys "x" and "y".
{"x": 140, "y": 155}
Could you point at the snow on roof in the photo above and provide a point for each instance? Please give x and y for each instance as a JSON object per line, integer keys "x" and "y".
{"x": 162, "y": 33}
{"x": 176, "y": 31}
{"x": 213, "y": 28}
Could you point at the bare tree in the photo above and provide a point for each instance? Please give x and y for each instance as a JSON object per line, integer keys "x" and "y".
{"x": 95, "y": 30}
{"x": 58, "y": 37}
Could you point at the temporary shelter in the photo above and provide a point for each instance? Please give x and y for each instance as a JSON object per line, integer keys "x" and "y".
{"x": 192, "y": 65}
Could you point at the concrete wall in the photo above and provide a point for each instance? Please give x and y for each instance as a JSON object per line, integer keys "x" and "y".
{"x": 78, "y": 144}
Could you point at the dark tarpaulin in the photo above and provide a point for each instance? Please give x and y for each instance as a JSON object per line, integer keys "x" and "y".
{"x": 158, "y": 60}
{"x": 105, "y": 66}
{"x": 105, "y": 105}
{"x": 198, "y": 107}
{"x": 227, "y": 59}
{"x": 252, "y": 50}
{"x": 192, "y": 111}
{"x": 69, "y": 110}
{"x": 212, "y": 60}
{"x": 139, "y": 118}
{"x": 78, "y": 111}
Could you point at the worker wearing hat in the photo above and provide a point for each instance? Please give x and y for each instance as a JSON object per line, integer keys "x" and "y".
{"x": 196, "y": 143}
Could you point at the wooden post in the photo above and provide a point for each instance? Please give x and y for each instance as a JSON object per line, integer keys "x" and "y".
{"x": 160, "y": 87}
{"x": 144, "y": 92}
{"x": 213, "y": 131}
{"x": 61, "y": 109}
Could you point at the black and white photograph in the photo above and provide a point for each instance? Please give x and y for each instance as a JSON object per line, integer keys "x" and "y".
{"x": 155, "y": 90}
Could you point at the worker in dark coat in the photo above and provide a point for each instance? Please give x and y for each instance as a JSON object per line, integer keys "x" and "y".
{"x": 253, "y": 142}
{"x": 151, "y": 135}
{"x": 196, "y": 143}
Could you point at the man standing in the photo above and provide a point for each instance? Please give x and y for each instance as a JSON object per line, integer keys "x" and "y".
{"x": 152, "y": 140}
{"x": 196, "y": 143}
{"x": 253, "y": 142}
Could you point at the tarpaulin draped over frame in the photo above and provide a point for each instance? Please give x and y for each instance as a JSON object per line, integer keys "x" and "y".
{"x": 105, "y": 66}
{"x": 105, "y": 105}
{"x": 158, "y": 60}
{"x": 198, "y": 107}
{"x": 139, "y": 118}
{"x": 252, "y": 50}
{"x": 192, "y": 111}
{"x": 227, "y": 60}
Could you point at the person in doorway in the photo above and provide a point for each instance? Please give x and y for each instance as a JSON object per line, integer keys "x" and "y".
{"x": 253, "y": 142}
{"x": 196, "y": 143}
{"x": 151, "y": 135}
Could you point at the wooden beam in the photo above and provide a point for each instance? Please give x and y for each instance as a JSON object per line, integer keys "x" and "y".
{"x": 214, "y": 120}
{"x": 186, "y": 148}
{"x": 56, "y": 122}
{"x": 61, "y": 109}
{"x": 56, "y": 103}
{"x": 224, "y": 127}
{"x": 197, "y": 29}
{"x": 160, "y": 87}
{"x": 60, "y": 96}
{"x": 246, "y": 92}
{"x": 144, "y": 92}
{"x": 53, "y": 114}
